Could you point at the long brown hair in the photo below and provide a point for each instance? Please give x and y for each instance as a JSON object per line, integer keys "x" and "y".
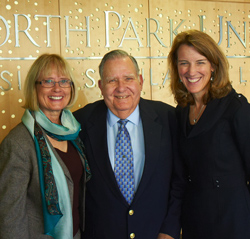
{"x": 206, "y": 46}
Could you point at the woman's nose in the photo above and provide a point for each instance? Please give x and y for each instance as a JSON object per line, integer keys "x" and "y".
{"x": 192, "y": 69}
{"x": 57, "y": 87}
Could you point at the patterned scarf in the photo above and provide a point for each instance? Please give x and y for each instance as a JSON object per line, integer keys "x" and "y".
{"x": 57, "y": 210}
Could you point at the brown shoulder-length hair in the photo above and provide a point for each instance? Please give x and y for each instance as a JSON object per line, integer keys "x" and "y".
{"x": 220, "y": 86}
{"x": 41, "y": 68}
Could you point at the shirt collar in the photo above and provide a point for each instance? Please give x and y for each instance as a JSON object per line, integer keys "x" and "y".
{"x": 134, "y": 117}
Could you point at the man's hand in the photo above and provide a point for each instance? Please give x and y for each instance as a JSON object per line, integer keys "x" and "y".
{"x": 164, "y": 236}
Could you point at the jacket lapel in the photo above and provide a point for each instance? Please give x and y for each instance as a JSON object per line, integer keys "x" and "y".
{"x": 210, "y": 116}
{"x": 152, "y": 135}
{"x": 97, "y": 132}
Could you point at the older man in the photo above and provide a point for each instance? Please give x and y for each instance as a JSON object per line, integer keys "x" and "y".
{"x": 136, "y": 185}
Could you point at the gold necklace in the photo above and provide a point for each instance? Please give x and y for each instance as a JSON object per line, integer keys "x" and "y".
{"x": 197, "y": 117}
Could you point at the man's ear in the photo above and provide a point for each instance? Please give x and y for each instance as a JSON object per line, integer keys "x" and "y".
{"x": 100, "y": 84}
{"x": 141, "y": 79}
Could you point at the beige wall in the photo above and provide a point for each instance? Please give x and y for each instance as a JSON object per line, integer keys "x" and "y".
{"x": 144, "y": 28}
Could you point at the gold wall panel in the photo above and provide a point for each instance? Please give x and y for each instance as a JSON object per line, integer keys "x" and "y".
{"x": 83, "y": 31}
{"x": 227, "y": 23}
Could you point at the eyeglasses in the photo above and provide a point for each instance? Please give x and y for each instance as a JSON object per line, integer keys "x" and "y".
{"x": 51, "y": 83}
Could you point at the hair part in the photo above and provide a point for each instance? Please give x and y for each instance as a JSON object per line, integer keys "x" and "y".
{"x": 41, "y": 68}
{"x": 206, "y": 46}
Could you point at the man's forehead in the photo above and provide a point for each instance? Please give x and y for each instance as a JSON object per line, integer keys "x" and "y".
{"x": 125, "y": 75}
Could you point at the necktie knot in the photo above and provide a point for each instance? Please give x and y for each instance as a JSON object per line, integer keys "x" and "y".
{"x": 122, "y": 122}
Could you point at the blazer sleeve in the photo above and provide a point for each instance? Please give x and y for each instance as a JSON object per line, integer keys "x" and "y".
{"x": 172, "y": 222}
{"x": 241, "y": 130}
{"x": 14, "y": 180}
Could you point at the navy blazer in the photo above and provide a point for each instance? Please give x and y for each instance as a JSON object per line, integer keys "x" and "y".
{"x": 217, "y": 161}
{"x": 154, "y": 209}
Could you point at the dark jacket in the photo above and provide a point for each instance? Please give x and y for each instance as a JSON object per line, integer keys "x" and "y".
{"x": 217, "y": 161}
{"x": 154, "y": 209}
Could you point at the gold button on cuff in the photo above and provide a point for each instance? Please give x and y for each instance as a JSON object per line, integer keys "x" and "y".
{"x": 132, "y": 235}
{"x": 131, "y": 212}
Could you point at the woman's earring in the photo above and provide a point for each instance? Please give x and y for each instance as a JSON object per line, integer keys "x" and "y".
{"x": 212, "y": 76}
{"x": 180, "y": 80}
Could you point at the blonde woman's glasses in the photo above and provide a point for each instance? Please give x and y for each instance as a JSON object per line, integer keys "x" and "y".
{"x": 49, "y": 83}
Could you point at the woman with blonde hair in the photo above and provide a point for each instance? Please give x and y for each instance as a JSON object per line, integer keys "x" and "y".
{"x": 43, "y": 168}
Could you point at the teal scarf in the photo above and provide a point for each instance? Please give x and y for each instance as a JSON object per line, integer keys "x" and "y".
{"x": 57, "y": 211}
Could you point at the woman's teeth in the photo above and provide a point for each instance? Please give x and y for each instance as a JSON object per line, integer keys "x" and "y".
{"x": 55, "y": 97}
{"x": 193, "y": 80}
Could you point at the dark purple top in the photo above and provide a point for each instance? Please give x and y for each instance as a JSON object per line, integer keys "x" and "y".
{"x": 73, "y": 162}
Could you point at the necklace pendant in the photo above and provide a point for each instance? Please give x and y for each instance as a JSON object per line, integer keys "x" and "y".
{"x": 197, "y": 117}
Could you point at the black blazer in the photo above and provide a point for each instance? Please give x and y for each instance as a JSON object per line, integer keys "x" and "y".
{"x": 154, "y": 209}
{"x": 216, "y": 153}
